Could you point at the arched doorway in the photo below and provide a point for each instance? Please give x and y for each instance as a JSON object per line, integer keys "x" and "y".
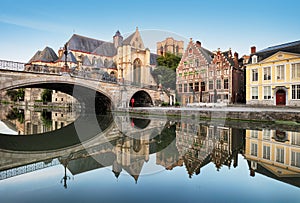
{"x": 137, "y": 63}
{"x": 280, "y": 97}
{"x": 141, "y": 99}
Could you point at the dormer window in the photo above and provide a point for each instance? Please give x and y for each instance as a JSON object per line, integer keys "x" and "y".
{"x": 254, "y": 59}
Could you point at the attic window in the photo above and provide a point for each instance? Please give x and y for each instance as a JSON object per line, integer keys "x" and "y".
{"x": 254, "y": 59}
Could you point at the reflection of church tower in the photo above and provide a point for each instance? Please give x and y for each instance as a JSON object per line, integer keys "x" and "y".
{"x": 131, "y": 154}
{"x": 116, "y": 169}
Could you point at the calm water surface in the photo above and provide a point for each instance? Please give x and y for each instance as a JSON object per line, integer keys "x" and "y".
{"x": 129, "y": 159}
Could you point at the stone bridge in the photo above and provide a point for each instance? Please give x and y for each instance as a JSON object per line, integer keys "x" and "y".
{"x": 113, "y": 95}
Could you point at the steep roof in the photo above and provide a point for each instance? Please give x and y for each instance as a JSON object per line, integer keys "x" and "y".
{"x": 291, "y": 47}
{"x": 35, "y": 56}
{"x": 106, "y": 49}
{"x": 208, "y": 55}
{"x": 85, "y": 44}
{"x": 47, "y": 55}
{"x": 70, "y": 58}
{"x": 128, "y": 39}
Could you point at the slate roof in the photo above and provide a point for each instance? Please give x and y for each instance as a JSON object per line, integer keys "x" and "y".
{"x": 208, "y": 55}
{"x": 85, "y": 44}
{"x": 106, "y": 49}
{"x": 292, "y": 47}
{"x": 47, "y": 55}
{"x": 128, "y": 39}
{"x": 35, "y": 57}
{"x": 70, "y": 58}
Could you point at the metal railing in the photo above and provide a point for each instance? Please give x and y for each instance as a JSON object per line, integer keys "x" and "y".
{"x": 27, "y": 169}
{"x": 11, "y": 65}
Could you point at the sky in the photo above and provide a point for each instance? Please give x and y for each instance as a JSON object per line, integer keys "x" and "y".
{"x": 27, "y": 26}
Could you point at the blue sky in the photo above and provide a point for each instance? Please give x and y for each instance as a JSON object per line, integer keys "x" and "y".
{"x": 28, "y": 26}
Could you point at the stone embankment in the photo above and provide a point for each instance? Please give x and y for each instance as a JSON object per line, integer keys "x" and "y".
{"x": 241, "y": 113}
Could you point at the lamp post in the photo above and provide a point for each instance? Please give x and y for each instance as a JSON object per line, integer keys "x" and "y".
{"x": 66, "y": 68}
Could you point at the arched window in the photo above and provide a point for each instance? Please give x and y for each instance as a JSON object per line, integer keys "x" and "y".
{"x": 161, "y": 50}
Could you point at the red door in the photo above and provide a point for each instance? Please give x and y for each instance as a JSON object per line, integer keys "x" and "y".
{"x": 280, "y": 97}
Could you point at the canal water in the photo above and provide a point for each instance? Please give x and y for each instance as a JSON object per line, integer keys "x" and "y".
{"x": 58, "y": 155}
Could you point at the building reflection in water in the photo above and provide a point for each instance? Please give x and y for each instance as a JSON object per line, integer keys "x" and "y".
{"x": 272, "y": 153}
{"x": 35, "y": 121}
{"x": 275, "y": 154}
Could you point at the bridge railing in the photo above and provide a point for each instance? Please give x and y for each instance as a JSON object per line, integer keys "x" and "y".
{"x": 11, "y": 65}
{"x": 27, "y": 168}
{"x": 137, "y": 84}
{"x": 99, "y": 75}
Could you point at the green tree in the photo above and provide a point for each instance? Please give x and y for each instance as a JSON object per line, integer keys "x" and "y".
{"x": 16, "y": 95}
{"x": 165, "y": 72}
{"x": 170, "y": 61}
{"x": 47, "y": 95}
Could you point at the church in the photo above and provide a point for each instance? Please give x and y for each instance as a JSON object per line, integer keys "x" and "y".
{"x": 122, "y": 59}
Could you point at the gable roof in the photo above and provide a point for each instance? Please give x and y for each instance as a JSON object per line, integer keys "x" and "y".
{"x": 128, "y": 39}
{"x": 291, "y": 47}
{"x": 84, "y": 44}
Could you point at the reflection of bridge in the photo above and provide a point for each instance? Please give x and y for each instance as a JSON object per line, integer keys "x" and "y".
{"x": 84, "y": 138}
{"x": 112, "y": 93}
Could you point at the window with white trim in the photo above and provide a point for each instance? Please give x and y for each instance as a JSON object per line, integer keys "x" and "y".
{"x": 254, "y": 75}
{"x": 254, "y": 59}
{"x": 296, "y": 71}
{"x": 295, "y": 138}
{"x": 266, "y": 134}
{"x": 254, "y": 133}
{"x": 295, "y": 91}
{"x": 253, "y": 150}
{"x": 280, "y": 72}
{"x": 266, "y": 152}
{"x": 267, "y": 92}
{"x": 254, "y": 92}
{"x": 280, "y": 155}
{"x": 295, "y": 159}
{"x": 267, "y": 73}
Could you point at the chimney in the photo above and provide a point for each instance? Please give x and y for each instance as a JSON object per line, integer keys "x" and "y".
{"x": 198, "y": 44}
{"x": 253, "y": 49}
{"x": 236, "y": 59}
{"x": 236, "y": 55}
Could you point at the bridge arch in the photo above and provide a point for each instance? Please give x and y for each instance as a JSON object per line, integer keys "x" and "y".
{"x": 86, "y": 93}
{"x": 141, "y": 99}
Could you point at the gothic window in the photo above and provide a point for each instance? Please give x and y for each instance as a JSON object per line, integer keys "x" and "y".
{"x": 177, "y": 49}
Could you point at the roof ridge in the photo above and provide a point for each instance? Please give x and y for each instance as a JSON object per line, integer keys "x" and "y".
{"x": 86, "y": 37}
